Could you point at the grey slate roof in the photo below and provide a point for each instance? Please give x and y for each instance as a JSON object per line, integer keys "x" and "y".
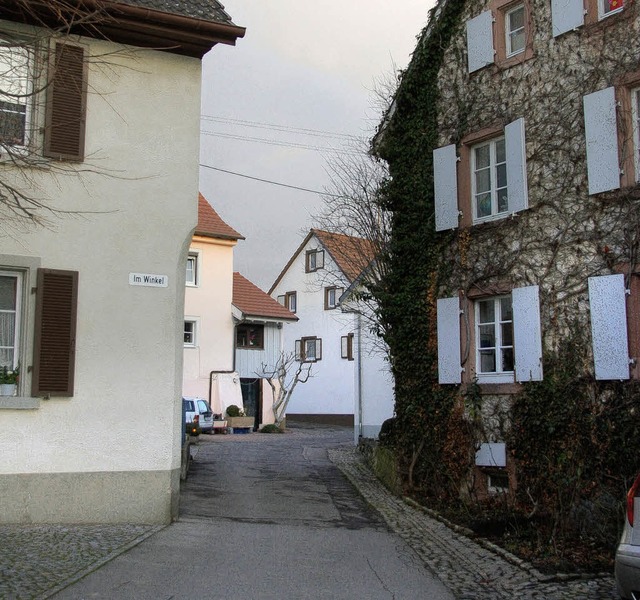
{"x": 208, "y": 10}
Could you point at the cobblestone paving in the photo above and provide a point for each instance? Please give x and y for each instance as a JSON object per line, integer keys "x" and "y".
{"x": 470, "y": 570}
{"x": 38, "y": 560}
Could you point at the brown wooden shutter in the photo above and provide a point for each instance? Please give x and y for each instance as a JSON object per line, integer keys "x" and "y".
{"x": 55, "y": 333}
{"x": 66, "y": 104}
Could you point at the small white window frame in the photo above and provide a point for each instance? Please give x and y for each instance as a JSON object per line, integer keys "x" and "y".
{"x": 603, "y": 13}
{"x": 28, "y": 100}
{"x": 194, "y": 258}
{"x": 495, "y": 489}
{"x": 497, "y": 376}
{"x": 194, "y": 332}
{"x": 493, "y": 165}
{"x": 510, "y": 32}
{"x": 17, "y": 312}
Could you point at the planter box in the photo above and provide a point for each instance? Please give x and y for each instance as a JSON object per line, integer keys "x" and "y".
{"x": 7, "y": 389}
{"x": 241, "y": 422}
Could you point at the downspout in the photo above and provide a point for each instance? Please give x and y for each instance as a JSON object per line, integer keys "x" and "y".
{"x": 233, "y": 369}
{"x": 358, "y": 431}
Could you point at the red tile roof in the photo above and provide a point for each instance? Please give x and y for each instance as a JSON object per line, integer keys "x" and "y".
{"x": 211, "y": 225}
{"x": 253, "y": 302}
{"x": 351, "y": 254}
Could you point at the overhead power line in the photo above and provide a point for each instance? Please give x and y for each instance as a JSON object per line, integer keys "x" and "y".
{"x": 282, "y": 143}
{"x": 282, "y": 128}
{"x": 293, "y": 187}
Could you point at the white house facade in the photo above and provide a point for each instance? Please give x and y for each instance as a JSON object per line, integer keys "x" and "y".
{"x": 349, "y": 376}
{"x": 92, "y": 304}
{"x": 260, "y": 325}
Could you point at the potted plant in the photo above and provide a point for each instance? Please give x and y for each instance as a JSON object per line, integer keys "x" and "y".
{"x": 9, "y": 381}
{"x": 236, "y": 418}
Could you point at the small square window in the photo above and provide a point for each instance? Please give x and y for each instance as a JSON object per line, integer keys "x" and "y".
{"x": 189, "y": 333}
{"x": 498, "y": 482}
{"x": 250, "y": 336}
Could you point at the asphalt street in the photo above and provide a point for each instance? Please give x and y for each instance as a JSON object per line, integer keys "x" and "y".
{"x": 267, "y": 517}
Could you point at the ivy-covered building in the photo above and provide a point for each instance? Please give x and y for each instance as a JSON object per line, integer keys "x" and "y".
{"x": 513, "y": 298}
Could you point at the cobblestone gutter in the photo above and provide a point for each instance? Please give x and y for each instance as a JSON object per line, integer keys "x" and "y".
{"x": 38, "y": 561}
{"x": 471, "y": 570}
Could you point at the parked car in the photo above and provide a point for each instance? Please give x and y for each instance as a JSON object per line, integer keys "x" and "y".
{"x": 628, "y": 554}
{"x": 198, "y": 411}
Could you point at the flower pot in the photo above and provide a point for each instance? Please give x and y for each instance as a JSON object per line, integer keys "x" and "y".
{"x": 240, "y": 422}
{"x": 7, "y": 389}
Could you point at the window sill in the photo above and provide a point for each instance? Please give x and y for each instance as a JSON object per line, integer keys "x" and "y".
{"x": 19, "y": 403}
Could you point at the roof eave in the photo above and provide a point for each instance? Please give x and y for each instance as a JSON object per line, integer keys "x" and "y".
{"x": 132, "y": 25}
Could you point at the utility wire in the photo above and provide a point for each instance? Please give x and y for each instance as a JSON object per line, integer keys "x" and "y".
{"x": 293, "y": 187}
{"x": 270, "y": 142}
{"x": 282, "y": 128}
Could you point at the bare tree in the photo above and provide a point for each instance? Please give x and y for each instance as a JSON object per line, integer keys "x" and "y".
{"x": 29, "y": 66}
{"x": 352, "y": 207}
{"x": 283, "y": 378}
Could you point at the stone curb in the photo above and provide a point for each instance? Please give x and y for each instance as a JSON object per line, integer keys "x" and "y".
{"x": 99, "y": 563}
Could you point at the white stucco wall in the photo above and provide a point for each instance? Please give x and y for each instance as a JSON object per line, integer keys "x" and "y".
{"x": 136, "y": 214}
{"x": 209, "y": 302}
{"x": 331, "y": 387}
{"x": 375, "y": 402}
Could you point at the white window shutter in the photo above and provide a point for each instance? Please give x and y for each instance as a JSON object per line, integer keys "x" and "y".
{"x": 566, "y": 15}
{"x": 607, "y": 301}
{"x": 514, "y": 140}
{"x": 602, "y": 141}
{"x": 492, "y": 455}
{"x": 445, "y": 187}
{"x": 448, "y": 321}
{"x": 527, "y": 337}
{"x": 480, "y": 41}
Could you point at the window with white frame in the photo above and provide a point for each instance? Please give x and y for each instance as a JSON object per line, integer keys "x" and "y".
{"x": 498, "y": 482}
{"x": 494, "y": 336}
{"x": 192, "y": 269}
{"x": 507, "y": 338}
{"x": 190, "y": 331}
{"x": 308, "y": 349}
{"x": 10, "y": 308}
{"x": 489, "y": 179}
{"x": 515, "y": 39}
{"x": 494, "y": 163}
{"x": 609, "y": 7}
{"x": 15, "y": 92}
{"x": 314, "y": 260}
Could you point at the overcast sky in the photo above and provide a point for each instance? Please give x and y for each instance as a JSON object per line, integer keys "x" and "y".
{"x": 301, "y": 78}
